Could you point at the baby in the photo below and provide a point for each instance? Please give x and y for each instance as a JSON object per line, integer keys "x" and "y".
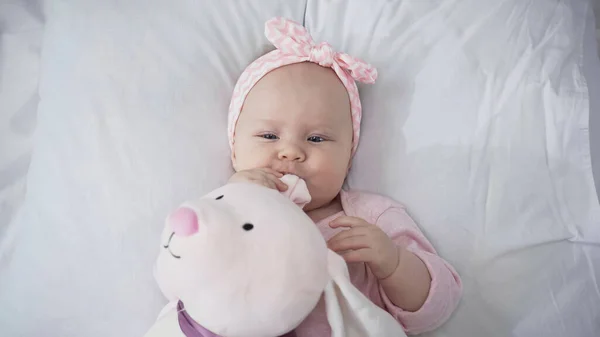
{"x": 296, "y": 110}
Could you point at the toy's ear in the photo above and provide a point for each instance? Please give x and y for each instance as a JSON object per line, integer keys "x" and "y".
{"x": 297, "y": 190}
{"x": 350, "y": 313}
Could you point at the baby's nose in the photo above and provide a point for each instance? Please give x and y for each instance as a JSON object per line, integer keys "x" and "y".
{"x": 184, "y": 221}
{"x": 292, "y": 153}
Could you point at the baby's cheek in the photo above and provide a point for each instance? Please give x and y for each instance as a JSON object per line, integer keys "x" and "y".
{"x": 329, "y": 178}
{"x": 250, "y": 157}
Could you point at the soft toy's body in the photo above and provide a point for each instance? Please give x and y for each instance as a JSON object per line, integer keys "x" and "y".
{"x": 246, "y": 261}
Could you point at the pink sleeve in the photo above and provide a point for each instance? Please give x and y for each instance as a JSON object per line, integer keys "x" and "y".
{"x": 446, "y": 286}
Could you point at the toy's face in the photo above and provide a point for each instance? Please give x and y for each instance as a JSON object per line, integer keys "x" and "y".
{"x": 244, "y": 260}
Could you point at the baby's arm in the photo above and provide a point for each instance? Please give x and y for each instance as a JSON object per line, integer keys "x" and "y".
{"x": 420, "y": 271}
{"x": 408, "y": 286}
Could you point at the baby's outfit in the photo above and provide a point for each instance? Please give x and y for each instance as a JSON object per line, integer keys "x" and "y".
{"x": 392, "y": 218}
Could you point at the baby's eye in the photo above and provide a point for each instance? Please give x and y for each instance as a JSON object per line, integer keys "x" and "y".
{"x": 269, "y": 136}
{"x": 316, "y": 139}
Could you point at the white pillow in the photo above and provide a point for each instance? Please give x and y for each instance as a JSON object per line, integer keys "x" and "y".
{"x": 477, "y": 123}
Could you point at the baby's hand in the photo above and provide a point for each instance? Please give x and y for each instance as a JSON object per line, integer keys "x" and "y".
{"x": 364, "y": 242}
{"x": 261, "y": 176}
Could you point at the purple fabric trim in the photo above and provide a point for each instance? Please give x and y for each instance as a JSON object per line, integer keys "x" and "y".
{"x": 190, "y": 328}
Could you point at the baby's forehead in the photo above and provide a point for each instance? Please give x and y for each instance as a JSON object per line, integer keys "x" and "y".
{"x": 303, "y": 77}
{"x": 315, "y": 90}
{"x": 323, "y": 119}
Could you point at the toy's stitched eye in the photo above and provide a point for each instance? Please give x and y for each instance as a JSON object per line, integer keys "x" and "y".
{"x": 248, "y": 226}
{"x": 219, "y": 197}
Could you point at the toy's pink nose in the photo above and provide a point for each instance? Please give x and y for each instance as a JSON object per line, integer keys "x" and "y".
{"x": 184, "y": 221}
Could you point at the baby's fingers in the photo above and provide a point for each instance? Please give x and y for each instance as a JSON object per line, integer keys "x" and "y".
{"x": 273, "y": 183}
{"x": 269, "y": 183}
{"x": 276, "y": 182}
{"x": 346, "y": 233}
{"x": 353, "y": 243}
{"x": 348, "y": 221}
{"x": 281, "y": 186}
{"x": 273, "y": 172}
{"x": 359, "y": 255}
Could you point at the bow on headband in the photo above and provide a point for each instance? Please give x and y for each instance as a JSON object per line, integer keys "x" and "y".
{"x": 292, "y": 38}
{"x": 295, "y": 45}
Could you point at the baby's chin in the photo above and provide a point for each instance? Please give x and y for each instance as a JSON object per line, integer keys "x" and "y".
{"x": 311, "y": 206}
{"x": 324, "y": 203}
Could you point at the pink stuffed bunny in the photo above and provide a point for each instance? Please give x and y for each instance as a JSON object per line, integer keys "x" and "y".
{"x": 246, "y": 261}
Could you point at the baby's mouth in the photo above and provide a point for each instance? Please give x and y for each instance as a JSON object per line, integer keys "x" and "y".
{"x": 289, "y": 172}
{"x": 169, "y": 249}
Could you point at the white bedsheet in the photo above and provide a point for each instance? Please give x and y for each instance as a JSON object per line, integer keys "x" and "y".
{"x": 21, "y": 27}
{"x": 78, "y": 258}
{"x": 593, "y": 78}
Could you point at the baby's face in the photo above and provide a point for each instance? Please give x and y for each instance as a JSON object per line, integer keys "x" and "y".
{"x": 297, "y": 120}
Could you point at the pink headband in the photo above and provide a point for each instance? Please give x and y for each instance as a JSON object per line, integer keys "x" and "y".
{"x": 295, "y": 45}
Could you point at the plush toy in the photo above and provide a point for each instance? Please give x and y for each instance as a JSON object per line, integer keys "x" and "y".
{"x": 246, "y": 261}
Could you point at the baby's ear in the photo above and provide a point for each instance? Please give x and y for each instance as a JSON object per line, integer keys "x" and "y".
{"x": 297, "y": 190}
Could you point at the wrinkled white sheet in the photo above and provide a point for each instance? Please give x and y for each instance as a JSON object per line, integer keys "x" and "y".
{"x": 132, "y": 122}
{"x": 21, "y": 27}
{"x": 592, "y": 72}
